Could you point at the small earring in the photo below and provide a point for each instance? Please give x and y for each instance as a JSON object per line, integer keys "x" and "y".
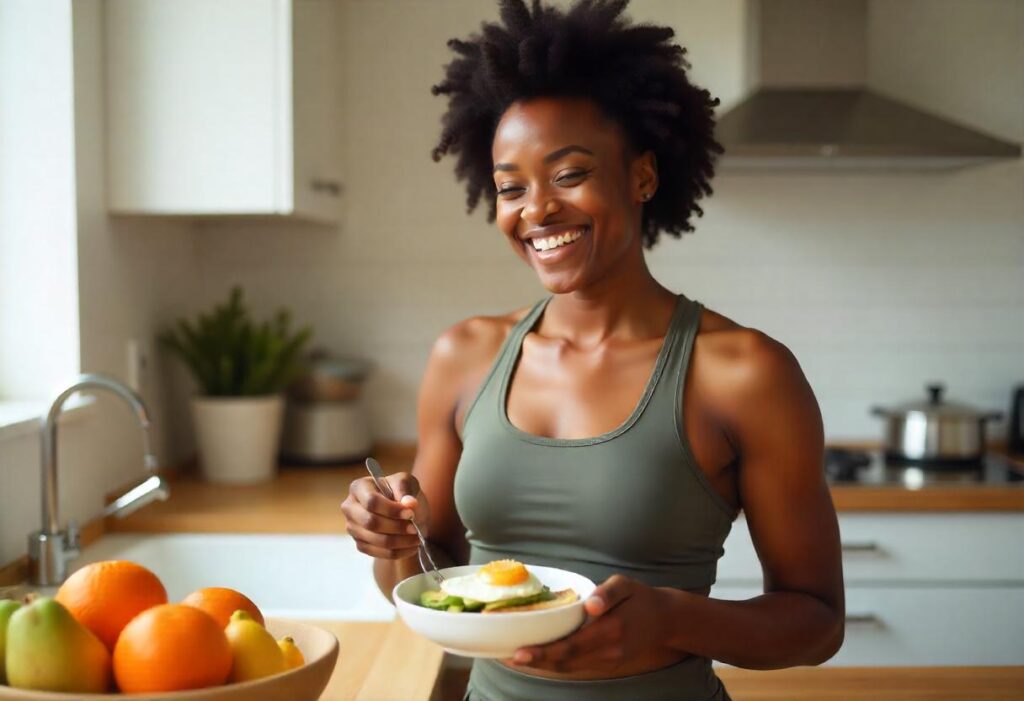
{"x": 646, "y": 196}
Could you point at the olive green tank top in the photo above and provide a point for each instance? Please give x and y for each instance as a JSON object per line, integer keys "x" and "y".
{"x": 631, "y": 501}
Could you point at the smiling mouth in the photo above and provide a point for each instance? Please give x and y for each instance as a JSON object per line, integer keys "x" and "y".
{"x": 548, "y": 243}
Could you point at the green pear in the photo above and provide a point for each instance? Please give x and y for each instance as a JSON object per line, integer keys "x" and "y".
{"x": 48, "y": 650}
{"x": 7, "y": 607}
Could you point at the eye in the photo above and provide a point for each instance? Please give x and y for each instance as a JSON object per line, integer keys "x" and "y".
{"x": 508, "y": 191}
{"x": 571, "y": 177}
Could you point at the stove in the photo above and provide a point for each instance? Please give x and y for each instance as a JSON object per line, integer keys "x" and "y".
{"x": 870, "y": 468}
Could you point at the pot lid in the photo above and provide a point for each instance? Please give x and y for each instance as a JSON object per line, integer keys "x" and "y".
{"x": 936, "y": 406}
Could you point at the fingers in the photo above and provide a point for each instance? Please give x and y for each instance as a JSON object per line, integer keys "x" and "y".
{"x": 391, "y": 547}
{"x": 612, "y": 592}
{"x": 374, "y": 522}
{"x": 596, "y": 645}
{"x": 366, "y": 493}
{"x": 382, "y": 527}
{"x": 402, "y": 484}
{"x": 408, "y": 494}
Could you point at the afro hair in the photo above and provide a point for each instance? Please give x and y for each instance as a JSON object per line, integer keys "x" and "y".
{"x": 635, "y": 75}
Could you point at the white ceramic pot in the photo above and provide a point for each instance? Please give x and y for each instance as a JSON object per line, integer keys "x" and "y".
{"x": 238, "y": 437}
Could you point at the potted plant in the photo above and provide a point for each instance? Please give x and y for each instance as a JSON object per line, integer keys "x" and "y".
{"x": 242, "y": 368}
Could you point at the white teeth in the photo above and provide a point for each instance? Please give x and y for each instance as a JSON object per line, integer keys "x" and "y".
{"x": 550, "y": 242}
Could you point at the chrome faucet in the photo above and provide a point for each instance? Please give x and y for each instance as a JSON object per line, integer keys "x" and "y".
{"x": 50, "y": 549}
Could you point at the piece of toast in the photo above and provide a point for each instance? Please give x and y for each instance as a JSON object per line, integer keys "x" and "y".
{"x": 566, "y": 596}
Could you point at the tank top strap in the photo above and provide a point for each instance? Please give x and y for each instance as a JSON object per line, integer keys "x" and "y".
{"x": 683, "y": 332}
{"x": 491, "y": 385}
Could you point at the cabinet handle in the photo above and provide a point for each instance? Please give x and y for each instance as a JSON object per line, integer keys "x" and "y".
{"x": 331, "y": 187}
{"x": 865, "y": 546}
{"x": 871, "y": 619}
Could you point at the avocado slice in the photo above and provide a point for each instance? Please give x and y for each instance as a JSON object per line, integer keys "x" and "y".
{"x": 438, "y": 600}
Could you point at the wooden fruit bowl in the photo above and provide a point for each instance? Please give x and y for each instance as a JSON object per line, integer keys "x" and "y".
{"x": 306, "y": 683}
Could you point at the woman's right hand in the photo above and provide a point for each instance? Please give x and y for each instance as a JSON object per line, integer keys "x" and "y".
{"x": 382, "y": 527}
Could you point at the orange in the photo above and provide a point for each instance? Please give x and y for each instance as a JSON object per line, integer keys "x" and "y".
{"x": 221, "y": 602}
{"x": 104, "y": 596}
{"x": 170, "y": 648}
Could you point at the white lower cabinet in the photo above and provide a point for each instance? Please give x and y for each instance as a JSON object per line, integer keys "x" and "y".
{"x": 921, "y": 589}
{"x": 926, "y": 626}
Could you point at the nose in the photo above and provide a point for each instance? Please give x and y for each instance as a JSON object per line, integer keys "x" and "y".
{"x": 539, "y": 205}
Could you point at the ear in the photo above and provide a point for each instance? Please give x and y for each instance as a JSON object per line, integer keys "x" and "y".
{"x": 644, "y": 172}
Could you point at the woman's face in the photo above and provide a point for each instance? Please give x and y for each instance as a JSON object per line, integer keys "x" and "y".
{"x": 569, "y": 195}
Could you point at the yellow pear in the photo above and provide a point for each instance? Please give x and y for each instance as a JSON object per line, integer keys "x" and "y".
{"x": 292, "y": 654}
{"x": 254, "y": 652}
{"x": 48, "y": 650}
{"x": 7, "y": 607}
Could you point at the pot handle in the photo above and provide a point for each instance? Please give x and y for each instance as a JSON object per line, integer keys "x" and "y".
{"x": 879, "y": 411}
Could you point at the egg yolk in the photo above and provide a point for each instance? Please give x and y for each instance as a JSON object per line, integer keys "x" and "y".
{"x": 504, "y": 572}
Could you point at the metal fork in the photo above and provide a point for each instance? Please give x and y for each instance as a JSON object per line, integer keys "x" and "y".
{"x": 426, "y": 562}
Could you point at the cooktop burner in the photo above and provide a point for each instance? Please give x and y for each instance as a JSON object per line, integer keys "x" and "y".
{"x": 871, "y": 468}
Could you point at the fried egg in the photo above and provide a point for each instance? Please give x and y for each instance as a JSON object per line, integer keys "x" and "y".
{"x": 495, "y": 581}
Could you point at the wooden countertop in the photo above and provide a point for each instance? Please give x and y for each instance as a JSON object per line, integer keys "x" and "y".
{"x": 382, "y": 662}
{"x": 875, "y": 683}
{"x": 308, "y": 499}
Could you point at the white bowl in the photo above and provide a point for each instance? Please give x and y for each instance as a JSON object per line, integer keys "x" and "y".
{"x": 492, "y": 635}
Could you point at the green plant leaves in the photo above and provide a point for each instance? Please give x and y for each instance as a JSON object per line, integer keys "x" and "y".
{"x": 230, "y": 355}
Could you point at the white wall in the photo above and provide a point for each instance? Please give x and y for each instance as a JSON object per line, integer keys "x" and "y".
{"x": 131, "y": 276}
{"x": 878, "y": 282}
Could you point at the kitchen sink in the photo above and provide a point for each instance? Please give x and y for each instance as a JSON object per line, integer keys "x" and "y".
{"x": 287, "y": 576}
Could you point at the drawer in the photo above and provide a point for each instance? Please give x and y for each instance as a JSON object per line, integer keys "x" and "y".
{"x": 926, "y": 626}
{"x": 878, "y": 548}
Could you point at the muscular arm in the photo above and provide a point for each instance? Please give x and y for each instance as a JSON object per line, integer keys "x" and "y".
{"x": 773, "y": 419}
{"x": 458, "y": 361}
{"x": 437, "y": 454}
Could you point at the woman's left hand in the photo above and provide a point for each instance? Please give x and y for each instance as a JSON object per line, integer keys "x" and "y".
{"x": 627, "y": 621}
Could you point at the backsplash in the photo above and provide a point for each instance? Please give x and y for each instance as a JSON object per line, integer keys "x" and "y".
{"x": 878, "y": 282}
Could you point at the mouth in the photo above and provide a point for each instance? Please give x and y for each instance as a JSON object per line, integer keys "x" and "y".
{"x": 557, "y": 245}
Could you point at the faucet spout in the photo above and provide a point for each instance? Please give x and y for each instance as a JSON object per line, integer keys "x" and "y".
{"x": 50, "y": 548}
{"x": 151, "y": 489}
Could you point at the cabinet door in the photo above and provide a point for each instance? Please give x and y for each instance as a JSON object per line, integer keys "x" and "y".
{"x": 926, "y": 625}
{"x": 938, "y": 547}
{"x": 316, "y": 102}
{"x": 197, "y": 110}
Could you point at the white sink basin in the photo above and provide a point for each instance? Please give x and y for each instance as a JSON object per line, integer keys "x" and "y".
{"x": 287, "y": 576}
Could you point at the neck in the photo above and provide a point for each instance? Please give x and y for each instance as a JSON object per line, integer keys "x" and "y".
{"x": 626, "y": 304}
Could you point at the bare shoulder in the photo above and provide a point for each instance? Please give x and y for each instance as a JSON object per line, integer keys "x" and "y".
{"x": 738, "y": 363}
{"x": 474, "y": 339}
{"x": 463, "y": 353}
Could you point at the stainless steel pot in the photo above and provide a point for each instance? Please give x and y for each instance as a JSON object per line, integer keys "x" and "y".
{"x": 934, "y": 431}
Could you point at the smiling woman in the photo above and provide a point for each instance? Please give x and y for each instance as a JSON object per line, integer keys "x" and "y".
{"x": 616, "y": 428}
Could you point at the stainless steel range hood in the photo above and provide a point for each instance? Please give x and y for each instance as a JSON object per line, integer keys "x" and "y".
{"x": 777, "y": 128}
{"x": 813, "y": 108}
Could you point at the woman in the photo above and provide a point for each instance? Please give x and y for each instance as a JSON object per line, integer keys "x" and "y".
{"x": 615, "y": 428}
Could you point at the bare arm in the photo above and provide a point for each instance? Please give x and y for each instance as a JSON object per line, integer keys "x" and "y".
{"x": 774, "y": 420}
{"x": 433, "y": 472}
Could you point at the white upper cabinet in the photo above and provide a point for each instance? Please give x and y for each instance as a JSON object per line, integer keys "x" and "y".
{"x": 223, "y": 107}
